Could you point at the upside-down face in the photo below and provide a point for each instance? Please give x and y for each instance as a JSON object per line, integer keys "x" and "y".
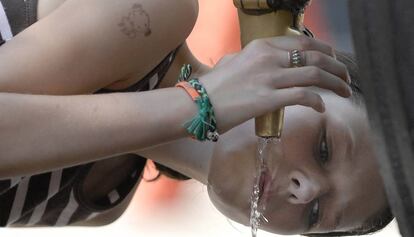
{"x": 325, "y": 180}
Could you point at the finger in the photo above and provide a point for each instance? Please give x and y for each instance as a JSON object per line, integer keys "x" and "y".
{"x": 301, "y": 43}
{"x": 310, "y": 76}
{"x": 299, "y": 96}
{"x": 327, "y": 63}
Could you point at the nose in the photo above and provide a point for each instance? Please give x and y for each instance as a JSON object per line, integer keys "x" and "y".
{"x": 302, "y": 189}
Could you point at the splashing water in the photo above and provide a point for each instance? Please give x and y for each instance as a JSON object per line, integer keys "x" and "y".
{"x": 257, "y": 208}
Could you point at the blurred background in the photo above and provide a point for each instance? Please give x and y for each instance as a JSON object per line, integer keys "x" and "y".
{"x": 170, "y": 208}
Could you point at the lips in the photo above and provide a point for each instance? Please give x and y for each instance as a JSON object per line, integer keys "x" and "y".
{"x": 262, "y": 183}
{"x": 266, "y": 182}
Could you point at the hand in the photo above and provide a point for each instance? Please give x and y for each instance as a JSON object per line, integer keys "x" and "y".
{"x": 259, "y": 79}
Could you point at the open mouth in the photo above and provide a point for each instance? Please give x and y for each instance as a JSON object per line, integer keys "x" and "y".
{"x": 263, "y": 183}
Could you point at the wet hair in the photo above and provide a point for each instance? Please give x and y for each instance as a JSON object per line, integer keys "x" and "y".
{"x": 382, "y": 218}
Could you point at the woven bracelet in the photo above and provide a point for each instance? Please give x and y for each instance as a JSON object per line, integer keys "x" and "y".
{"x": 202, "y": 126}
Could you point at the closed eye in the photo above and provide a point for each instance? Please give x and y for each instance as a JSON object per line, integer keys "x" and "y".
{"x": 324, "y": 153}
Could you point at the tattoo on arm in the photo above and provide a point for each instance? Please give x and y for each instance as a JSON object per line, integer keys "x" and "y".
{"x": 136, "y": 22}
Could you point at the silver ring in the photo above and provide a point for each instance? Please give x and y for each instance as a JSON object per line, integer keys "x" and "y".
{"x": 295, "y": 58}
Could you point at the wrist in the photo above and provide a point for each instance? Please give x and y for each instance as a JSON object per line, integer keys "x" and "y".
{"x": 201, "y": 70}
{"x": 203, "y": 126}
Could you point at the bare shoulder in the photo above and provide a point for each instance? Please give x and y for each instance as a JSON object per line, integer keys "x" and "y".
{"x": 80, "y": 46}
{"x": 138, "y": 19}
{"x": 138, "y": 33}
{"x": 181, "y": 12}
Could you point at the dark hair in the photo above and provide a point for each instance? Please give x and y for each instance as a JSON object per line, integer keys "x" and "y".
{"x": 170, "y": 173}
{"x": 382, "y": 218}
{"x": 376, "y": 223}
{"x": 295, "y": 6}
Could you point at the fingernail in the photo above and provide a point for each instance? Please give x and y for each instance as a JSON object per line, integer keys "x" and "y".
{"x": 348, "y": 78}
{"x": 350, "y": 91}
{"x": 334, "y": 54}
{"x": 323, "y": 107}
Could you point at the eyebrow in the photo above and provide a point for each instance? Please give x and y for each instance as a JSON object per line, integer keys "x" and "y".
{"x": 339, "y": 217}
{"x": 308, "y": 227}
{"x": 338, "y": 220}
{"x": 307, "y": 220}
{"x": 308, "y": 213}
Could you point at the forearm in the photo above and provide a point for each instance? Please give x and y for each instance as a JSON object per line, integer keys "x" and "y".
{"x": 187, "y": 156}
{"x": 42, "y": 133}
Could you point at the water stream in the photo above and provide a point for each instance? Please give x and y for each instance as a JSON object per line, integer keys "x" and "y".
{"x": 263, "y": 163}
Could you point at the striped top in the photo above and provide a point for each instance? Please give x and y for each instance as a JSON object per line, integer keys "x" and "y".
{"x": 56, "y": 198}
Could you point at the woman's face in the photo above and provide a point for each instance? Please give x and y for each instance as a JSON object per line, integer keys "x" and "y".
{"x": 322, "y": 178}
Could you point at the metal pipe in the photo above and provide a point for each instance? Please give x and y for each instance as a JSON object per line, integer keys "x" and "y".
{"x": 263, "y": 19}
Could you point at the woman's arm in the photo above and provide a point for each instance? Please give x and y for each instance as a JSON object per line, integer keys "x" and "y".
{"x": 187, "y": 156}
{"x": 84, "y": 46}
{"x": 42, "y": 133}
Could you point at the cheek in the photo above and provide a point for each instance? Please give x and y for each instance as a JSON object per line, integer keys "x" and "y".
{"x": 232, "y": 203}
{"x": 370, "y": 189}
{"x": 229, "y": 207}
{"x": 286, "y": 220}
{"x": 231, "y": 173}
{"x": 360, "y": 189}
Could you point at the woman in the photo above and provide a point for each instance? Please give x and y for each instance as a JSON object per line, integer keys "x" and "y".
{"x": 76, "y": 140}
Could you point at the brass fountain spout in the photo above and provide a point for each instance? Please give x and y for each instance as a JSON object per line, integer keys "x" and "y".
{"x": 270, "y": 18}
